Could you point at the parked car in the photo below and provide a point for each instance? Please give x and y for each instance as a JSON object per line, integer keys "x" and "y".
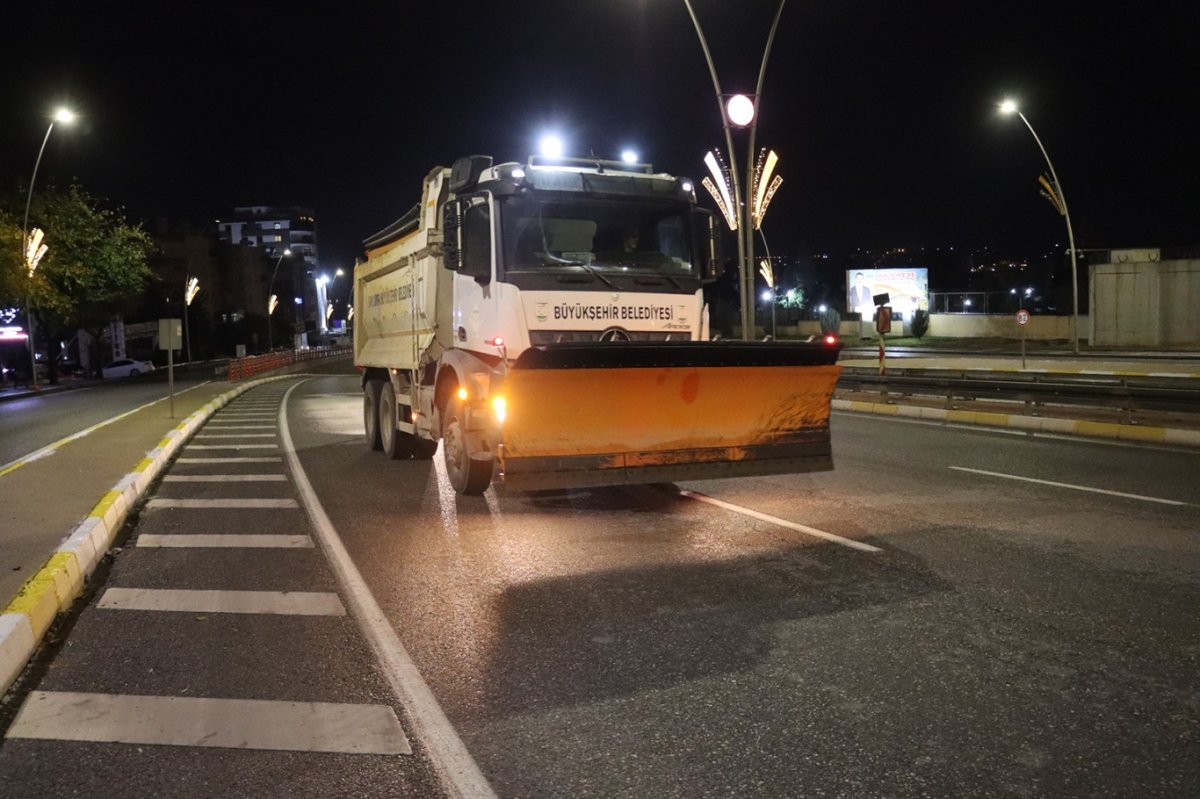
{"x": 126, "y": 367}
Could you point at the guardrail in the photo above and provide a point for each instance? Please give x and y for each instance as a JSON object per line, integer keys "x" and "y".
{"x": 1125, "y": 393}
{"x": 252, "y": 365}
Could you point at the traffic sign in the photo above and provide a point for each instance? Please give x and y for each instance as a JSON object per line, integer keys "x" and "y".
{"x": 1022, "y": 317}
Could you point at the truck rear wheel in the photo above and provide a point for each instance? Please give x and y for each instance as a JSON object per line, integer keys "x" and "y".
{"x": 371, "y": 390}
{"x": 468, "y": 475}
{"x": 396, "y": 445}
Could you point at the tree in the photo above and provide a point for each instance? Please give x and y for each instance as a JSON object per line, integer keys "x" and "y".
{"x": 95, "y": 267}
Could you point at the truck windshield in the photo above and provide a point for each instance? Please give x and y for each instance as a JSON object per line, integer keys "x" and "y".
{"x": 606, "y": 237}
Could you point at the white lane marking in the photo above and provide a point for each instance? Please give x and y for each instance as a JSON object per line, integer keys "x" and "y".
{"x": 449, "y": 755}
{"x": 283, "y": 603}
{"x": 232, "y": 446}
{"x": 228, "y": 460}
{"x": 1071, "y": 486}
{"x": 203, "y": 721}
{"x": 800, "y": 528}
{"x": 1020, "y": 433}
{"x": 223, "y": 503}
{"x": 225, "y": 478}
{"x": 216, "y": 425}
{"x": 214, "y": 540}
{"x": 50, "y": 449}
{"x": 236, "y": 435}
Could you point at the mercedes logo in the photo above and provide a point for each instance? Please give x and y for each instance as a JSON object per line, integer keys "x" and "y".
{"x": 614, "y": 334}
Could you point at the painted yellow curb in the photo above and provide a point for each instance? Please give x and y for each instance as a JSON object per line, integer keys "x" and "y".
{"x": 37, "y": 601}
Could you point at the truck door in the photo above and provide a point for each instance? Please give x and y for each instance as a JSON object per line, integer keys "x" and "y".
{"x": 474, "y": 314}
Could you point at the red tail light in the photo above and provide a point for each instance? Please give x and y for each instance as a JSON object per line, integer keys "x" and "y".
{"x": 830, "y": 338}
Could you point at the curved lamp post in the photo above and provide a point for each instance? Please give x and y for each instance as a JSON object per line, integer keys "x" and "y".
{"x": 732, "y": 111}
{"x": 191, "y": 288}
{"x": 66, "y": 116}
{"x": 272, "y": 302}
{"x": 1009, "y": 107}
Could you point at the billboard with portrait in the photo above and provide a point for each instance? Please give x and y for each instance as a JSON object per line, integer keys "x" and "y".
{"x": 907, "y": 286}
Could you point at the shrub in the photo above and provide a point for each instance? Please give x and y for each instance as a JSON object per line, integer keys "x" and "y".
{"x": 831, "y": 321}
{"x": 920, "y": 323}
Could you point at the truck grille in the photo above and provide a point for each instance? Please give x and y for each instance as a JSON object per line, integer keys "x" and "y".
{"x": 542, "y": 337}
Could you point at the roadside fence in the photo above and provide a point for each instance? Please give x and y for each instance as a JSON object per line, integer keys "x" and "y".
{"x": 252, "y": 365}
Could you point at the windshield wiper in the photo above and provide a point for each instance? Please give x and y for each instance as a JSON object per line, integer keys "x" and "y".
{"x": 590, "y": 271}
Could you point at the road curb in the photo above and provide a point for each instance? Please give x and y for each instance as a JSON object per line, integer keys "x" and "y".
{"x": 52, "y": 590}
{"x": 1039, "y": 424}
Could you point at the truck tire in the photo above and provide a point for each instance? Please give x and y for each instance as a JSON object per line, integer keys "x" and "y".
{"x": 469, "y": 476}
{"x": 371, "y": 390}
{"x": 396, "y": 446}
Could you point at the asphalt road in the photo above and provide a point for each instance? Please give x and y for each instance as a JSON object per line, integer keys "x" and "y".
{"x": 999, "y": 637}
{"x": 1011, "y": 638}
{"x": 29, "y": 424}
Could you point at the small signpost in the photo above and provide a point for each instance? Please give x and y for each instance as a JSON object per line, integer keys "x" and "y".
{"x": 1022, "y": 320}
{"x": 883, "y": 324}
{"x": 170, "y": 338}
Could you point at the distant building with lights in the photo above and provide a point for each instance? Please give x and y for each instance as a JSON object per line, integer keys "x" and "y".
{"x": 275, "y": 229}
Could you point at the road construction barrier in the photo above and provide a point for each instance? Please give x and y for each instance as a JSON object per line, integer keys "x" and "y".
{"x": 253, "y": 365}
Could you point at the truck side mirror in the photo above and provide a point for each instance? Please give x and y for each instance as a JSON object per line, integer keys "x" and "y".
{"x": 452, "y": 250}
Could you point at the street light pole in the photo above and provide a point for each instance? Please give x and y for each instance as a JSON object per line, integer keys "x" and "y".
{"x": 65, "y": 116}
{"x": 1010, "y": 107}
{"x": 745, "y": 234}
{"x": 271, "y": 305}
{"x": 190, "y": 288}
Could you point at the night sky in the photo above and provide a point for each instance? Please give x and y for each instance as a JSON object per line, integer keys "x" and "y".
{"x": 883, "y": 113}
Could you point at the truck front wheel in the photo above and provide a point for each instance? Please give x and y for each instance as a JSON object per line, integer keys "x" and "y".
{"x": 371, "y": 391}
{"x": 395, "y": 445}
{"x": 469, "y": 475}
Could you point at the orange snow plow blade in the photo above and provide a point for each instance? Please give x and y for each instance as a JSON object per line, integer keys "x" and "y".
{"x": 581, "y": 415}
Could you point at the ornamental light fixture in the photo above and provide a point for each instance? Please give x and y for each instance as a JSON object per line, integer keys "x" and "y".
{"x": 764, "y": 185}
{"x": 718, "y": 187}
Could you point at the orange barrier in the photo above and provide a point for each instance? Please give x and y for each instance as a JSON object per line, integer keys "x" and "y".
{"x": 253, "y": 365}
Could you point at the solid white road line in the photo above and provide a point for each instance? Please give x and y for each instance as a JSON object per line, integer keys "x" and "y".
{"x": 212, "y": 426}
{"x": 232, "y": 446}
{"x": 228, "y": 460}
{"x": 216, "y": 540}
{"x": 225, "y": 478}
{"x": 236, "y": 435}
{"x": 800, "y": 528}
{"x": 1071, "y": 486}
{"x": 284, "y": 603}
{"x": 202, "y": 721}
{"x": 447, "y": 752}
{"x": 223, "y": 503}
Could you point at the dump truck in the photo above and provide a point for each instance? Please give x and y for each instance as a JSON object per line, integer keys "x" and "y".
{"x": 545, "y": 322}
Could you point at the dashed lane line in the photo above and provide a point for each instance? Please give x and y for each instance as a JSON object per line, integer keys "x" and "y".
{"x": 211, "y": 722}
{"x": 241, "y": 504}
{"x": 228, "y": 460}
{"x": 221, "y": 540}
{"x": 236, "y": 435}
{"x": 232, "y": 446}
{"x": 280, "y": 603}
{"x": 800, "y": 528}
{"x": 1071, "y": 486}
{"x": 225, "y": 478}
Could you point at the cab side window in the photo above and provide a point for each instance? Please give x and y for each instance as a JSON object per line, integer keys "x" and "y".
{"x": 477, "y": 240}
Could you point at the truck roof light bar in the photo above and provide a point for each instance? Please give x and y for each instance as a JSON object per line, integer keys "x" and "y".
{"x": 598, "y": 163}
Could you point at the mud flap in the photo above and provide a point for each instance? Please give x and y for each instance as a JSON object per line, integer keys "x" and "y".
{"x": 630, "y": 413}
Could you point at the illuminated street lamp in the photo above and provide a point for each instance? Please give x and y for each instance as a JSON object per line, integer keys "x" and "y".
{"x": 1055, "y": 193}
{"x": 66, "y": 116}
{"x": 273, "y": 302}
{"x": 741, "y": 111}
{"x": 190, "y": 290}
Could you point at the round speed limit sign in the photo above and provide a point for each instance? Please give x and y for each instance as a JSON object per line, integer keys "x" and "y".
{"x": 1022, "y": 317}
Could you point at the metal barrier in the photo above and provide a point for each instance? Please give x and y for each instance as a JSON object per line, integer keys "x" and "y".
{"x": 1123, "y": 392}
{"x": 253, "y": 365}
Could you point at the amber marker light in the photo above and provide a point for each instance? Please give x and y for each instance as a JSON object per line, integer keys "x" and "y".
{"x": 500, "y": 406}
{"x": 462, "y": 394}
